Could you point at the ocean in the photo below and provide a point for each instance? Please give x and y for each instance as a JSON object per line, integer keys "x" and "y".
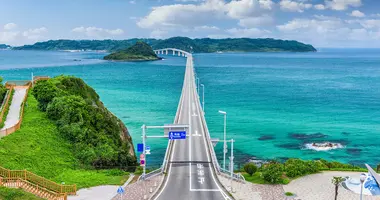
{"x": 276, "y": 103}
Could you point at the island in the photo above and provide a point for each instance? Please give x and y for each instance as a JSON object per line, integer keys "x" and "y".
{"x": 140, "y": 51}
{"x": 4, "y": 46}
{"x": 198, "y": 45}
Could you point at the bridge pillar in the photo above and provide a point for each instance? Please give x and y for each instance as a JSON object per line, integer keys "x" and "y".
{"x": 173, "y": 52}
{"x": 179, "y": 53}
{"x": 166, "y": 52}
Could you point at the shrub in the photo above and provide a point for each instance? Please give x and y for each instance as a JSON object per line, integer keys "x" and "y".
{"x": 289, "y": 194}
{"x": 272, "y": 173}
{"x": 250, "y": 168}
{"x": 297, "y": 167}
{"x": 285, "y": 181}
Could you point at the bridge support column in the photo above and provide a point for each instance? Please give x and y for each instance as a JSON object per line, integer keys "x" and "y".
{"x": 179, "y": 53}
{"x": 173, "y": 52}
{"x": 166, "y": 52}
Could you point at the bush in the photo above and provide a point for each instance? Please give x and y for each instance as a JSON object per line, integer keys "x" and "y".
{"x": 297, "y": 167}
{"x": 272, "y": 173}
{"x": 289, "y": 194}
{"x": 285, "y": 181}
{"x": 250, "y": 168}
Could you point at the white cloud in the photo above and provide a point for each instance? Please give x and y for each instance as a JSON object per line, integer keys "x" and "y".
{"x": 9, "y": 36}
{"x": 158, "y": 34}
{"x": 370, "y": 23}
{"x": 207, "y": 28}
{"x": 342, "y": 4}
{"x": 357, "y": 13}
{"x": 256, "y": 21}
{"x": 320, "y": 7}
{"x": 249, "y": 32}
{"x": 294, "y": 6}
{"x": 10, "y": 26}
{"x": 207, "y": 12}
{"x": 98, "y": 33}
{"x": 35, "y": 34}
{"x": 132, "y": 2}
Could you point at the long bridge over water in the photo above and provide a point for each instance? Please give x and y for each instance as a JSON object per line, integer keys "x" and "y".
{"x": 191, "y": 165}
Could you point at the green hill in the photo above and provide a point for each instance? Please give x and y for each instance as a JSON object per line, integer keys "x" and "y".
{"x": 4, "y": 46}
{"x": 203, "y": 45}
{"x": 141, "y": 51}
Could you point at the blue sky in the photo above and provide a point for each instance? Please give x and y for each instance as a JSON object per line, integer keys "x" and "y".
{"x": 322, "y": 23}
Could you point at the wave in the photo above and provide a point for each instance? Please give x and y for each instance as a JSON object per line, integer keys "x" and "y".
{"x": 326, "y": 146}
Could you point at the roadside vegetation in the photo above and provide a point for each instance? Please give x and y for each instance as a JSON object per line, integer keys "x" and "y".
{"x": 282, "y": 173}
{"x": 40, "y": 148}
{"x": 16, "y": 194}
{"x": 6, "y": 107}
{"x": 3, "y": 90}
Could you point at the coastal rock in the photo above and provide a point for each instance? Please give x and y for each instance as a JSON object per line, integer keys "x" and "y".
{"x": 293, "y": 146}
{"x": 353, "y": 151}
{"x": 266, "y": 137}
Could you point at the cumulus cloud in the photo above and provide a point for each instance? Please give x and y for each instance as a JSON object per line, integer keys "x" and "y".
{"x": 206, "y": 12}
{"x": 342, "y": 4}
{"x": 10, "y": 26}
{"x": 294, "y": 6}
{"x": 35, "y": 34}
{"x": 357, "y": 13}
{"x": 256, "y": 21}
{"x": 98, "y": 33}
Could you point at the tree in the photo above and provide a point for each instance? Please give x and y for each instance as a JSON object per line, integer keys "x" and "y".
{"x": 336, "y": 181}
{"x": 250, "y": 168}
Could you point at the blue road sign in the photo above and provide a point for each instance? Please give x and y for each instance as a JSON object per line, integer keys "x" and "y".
{"x": 147, "y": 148}
{"x": 176, "y": 135}
{"x": 140, "y": 147}
{"x": 120, "y": 190}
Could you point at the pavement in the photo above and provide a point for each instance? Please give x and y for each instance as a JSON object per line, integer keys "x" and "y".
{"x": 319, "y": 187}
{"x": 15, "y": 107}
{"x": 190, "y": 174}
{"x": 100, "y": 192}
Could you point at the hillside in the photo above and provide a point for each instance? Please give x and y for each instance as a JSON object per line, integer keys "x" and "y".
{"x": 99, "y": 138}
{"x": 4, "y": 46}
{"x": 204, "y": 45}
{"x": 140, "y": 51}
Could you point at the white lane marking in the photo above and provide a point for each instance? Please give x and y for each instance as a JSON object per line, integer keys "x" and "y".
{"x": 204, "y": 190}
{"x": 196, "y": 133}
{"x": 174, "y": 145}
{"x": 208, "y": 158}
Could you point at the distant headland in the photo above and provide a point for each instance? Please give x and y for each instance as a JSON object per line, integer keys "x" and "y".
{"x": 203, "y": 45}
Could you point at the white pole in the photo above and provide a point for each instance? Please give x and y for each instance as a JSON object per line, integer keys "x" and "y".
{"x": 232, "y": 158}
{"x": 144, "y": 135}
{"x": 203, "y": 97}
{"x": 361, "y": 191}
{"x": 225, "y": 144}
{"x": 32, "y": 79}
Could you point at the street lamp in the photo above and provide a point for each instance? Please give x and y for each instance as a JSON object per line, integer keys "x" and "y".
{"x": 362, "y": 179}
{"x": 198, "y": 85}
{"x": 203, "y": 97}
{"x": 224, "y": 138}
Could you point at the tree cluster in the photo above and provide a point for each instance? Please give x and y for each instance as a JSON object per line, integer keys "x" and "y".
{"x": 97, "y": 135}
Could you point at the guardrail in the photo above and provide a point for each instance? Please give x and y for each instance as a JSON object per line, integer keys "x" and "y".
{"x": 41, "y": 182}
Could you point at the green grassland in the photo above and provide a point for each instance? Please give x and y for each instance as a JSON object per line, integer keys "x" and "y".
{"x": 16, "y": 194}
{"x": 39, "y": 148}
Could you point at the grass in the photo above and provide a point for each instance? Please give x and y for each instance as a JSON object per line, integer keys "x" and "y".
{"x": 16, "y": 194}
{"x": 255, "y": 178}
{"x": 289, "y": 194}
{"x": 39, "y": 148}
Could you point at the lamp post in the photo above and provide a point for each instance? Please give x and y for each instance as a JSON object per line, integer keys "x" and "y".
{"x": 203, "y": 97}
{"x": 224, "y": 138}
{"x": 362, "y": 179}
{"x": 198, "y": 85}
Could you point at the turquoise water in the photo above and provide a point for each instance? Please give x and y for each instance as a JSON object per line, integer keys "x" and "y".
{"x": 276, "y": 102}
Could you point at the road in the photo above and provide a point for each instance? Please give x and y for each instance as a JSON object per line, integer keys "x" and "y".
{"x": 14, "y": 109}
{"x": 190, "y": 174}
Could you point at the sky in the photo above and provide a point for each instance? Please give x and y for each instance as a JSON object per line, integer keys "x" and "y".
{"x": 322, "y": 23}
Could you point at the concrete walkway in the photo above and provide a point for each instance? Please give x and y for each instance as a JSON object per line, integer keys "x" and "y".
{"x": 15, "y": 107}
{"x": 319, "y": 187}
{"x": 102, "y": 192}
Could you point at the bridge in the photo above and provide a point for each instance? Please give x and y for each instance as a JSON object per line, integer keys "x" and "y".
{"x": 191, "y": 165}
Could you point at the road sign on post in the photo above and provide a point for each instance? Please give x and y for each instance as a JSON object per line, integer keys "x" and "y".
{"x": 140, "y": 147}
{"x": 177, "y": 135}
{"x": 147, "y": 150}
{"x": 142, "y": 163}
